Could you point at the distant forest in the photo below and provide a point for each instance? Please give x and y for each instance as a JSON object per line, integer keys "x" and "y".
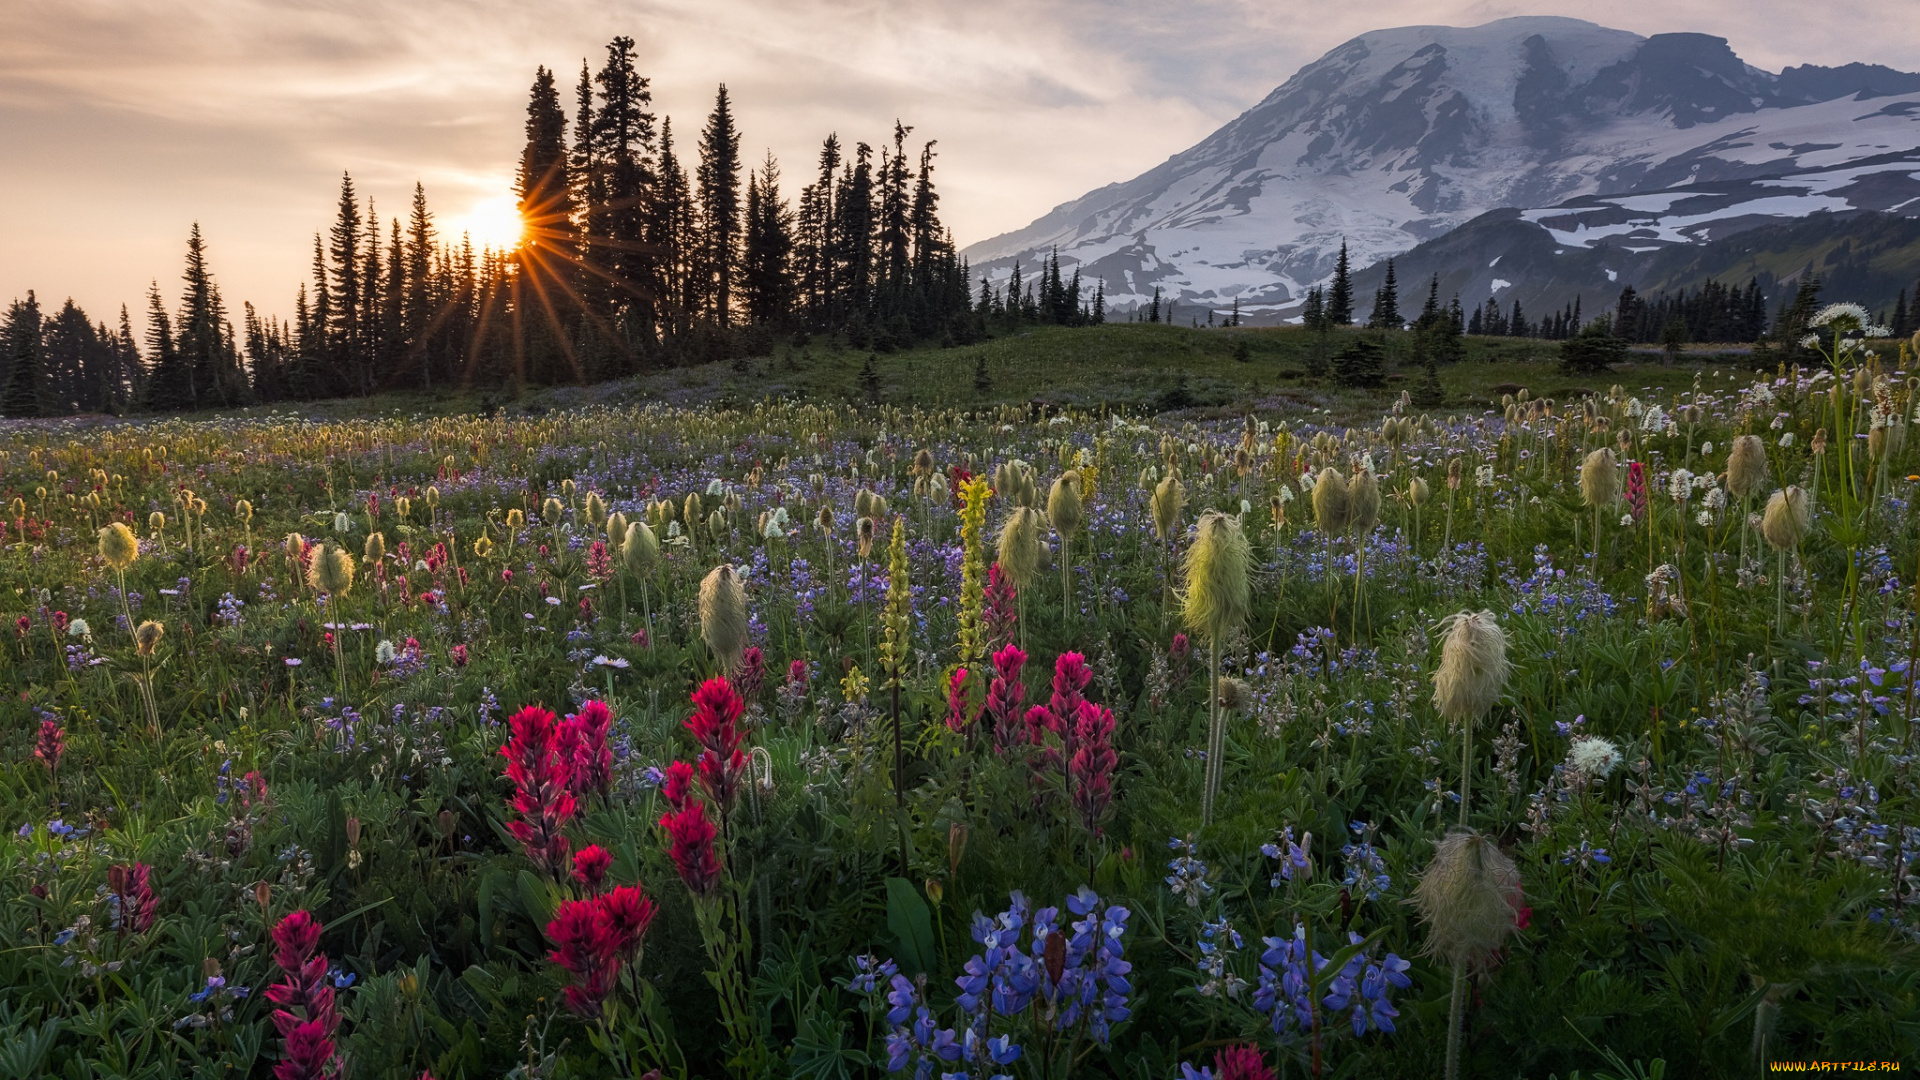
{"x": 633, "y": 259}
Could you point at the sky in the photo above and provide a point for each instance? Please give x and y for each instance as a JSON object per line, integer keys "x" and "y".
{"x": 124, "y": 122}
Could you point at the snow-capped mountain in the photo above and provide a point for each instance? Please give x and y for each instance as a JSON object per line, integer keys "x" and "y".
{"x": 1399, "y": 136}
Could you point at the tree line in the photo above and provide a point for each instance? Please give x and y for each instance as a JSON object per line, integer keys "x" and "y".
{"x": 636, "y": 256}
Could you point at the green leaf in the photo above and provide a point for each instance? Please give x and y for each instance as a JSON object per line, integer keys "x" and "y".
{"x": 912, "y": 925}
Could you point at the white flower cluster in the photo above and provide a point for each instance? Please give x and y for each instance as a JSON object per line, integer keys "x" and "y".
{"x": 1593, "y": 756}
{"x": 1680, "y": 485}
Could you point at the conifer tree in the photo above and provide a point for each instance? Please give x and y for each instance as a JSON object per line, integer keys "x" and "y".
{"x": 719, "y": 177}
{"x": 622, "y": 152}
{"x": 24, "y": 392}
{"x": 1339, "y": 299}
{"x": 1386, "y": 304}
{"x": 346, "y": 299}
{"x": 418, "y": 320}
{"x": 209, "y": 362}
{"x": 766, "y": 270}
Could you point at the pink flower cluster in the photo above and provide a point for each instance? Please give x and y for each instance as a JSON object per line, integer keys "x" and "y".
{"x": 51, "y": 745}
{"x": 551, "y": 763}
{"x": 1080, "y": 752}
{"x": 595, "y": 938}
{"x": 717, "y": 709}
{"x": 133, "y": 887}
{"x": 309, "y": 1031}
{"x": 1002, "y": 610}
{"x": 1005, "y": 695}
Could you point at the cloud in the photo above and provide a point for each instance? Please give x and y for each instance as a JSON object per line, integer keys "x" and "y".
{"x": 128, "y": 121}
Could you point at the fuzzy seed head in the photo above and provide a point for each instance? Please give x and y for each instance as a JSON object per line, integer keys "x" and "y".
{"x": 616, "y": 529}
{"x": 1330, "y": 501}
{"x": 640, "y": 548}
{"x": 295, "y": 544}
{"x": 596, "y": 508}
{"x": 1600, "y": 478}
{"x": 118, "y": 546}
{"x": 551, "y": 510}
{"x": 243, "y": 510}
{"x": 1021, "y": 546}
{"x": 516, "y": 519}
{"x": 1787, "y": 519}
{"x": 863, "y": 535}
{"x": 723, "y": 616}
{"x": 1063, "y": 505}
{"x": 1363, "y": 502}
{"x": 1473, "y": 666}
{"x": 331, "y": 570}
{"x": 1218, "y": 595}
{"x": 1235, "y": 695}
{"x": 1169, "y": 502}
{"x": 1418, "y": 493}
{"x": 146, "y": 637}
{"x": 376, "y": 548}
{"x": 1747, "y": 473}
{"x": 156, "y": 521}
{"x": 1468, "y": 897}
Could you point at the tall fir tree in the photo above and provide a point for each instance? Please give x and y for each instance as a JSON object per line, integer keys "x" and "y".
{"x": 1339, "y": 299}
{"x": 26, "y": 391}
{"x": 622, "y": 153}
{"x": 719, "y": 177}
{"x": 1386, "y": 304}
{"x": 766, "y": 263}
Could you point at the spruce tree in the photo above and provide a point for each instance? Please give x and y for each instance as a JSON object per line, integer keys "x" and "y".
{"x": 719, "y": 177}
{"x": 766, "y": 269}
{"x": 1339, "y": 299}
{"x": 1386, "y": 304}
{"x": 622, "y": 147}
{"x": 1100, "y": 303}
{"x": 1359, "y": 365}
{"x": 347, "y": 299}
{"x": 25, "y": 392}
{"x": 418, "y": 315}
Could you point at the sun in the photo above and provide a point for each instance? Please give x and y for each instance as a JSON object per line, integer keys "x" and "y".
{"x": 494, "y": 223}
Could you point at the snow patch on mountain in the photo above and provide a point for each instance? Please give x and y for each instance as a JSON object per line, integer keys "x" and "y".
{"x": 1399, "y": 136}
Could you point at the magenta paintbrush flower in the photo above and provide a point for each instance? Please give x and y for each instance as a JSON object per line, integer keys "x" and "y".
{"x": 542, "y": 781}
{"x": 308, "y": 1032}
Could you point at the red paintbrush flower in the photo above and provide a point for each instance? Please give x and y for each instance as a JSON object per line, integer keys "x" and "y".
{"x": 1058, "y": 715}
{"x": 959, "y": 714}
{"x": 591, "y": 756}
{"x": 753, "y": 671}
{"x": 1090, "y": 770}
{"x": 629, "y": 911}
{"x": 51, "y": 746}
{"x": 1240, "y": 1063}
{"x": 585, "y": 945}
{"x": 542, "y": 781}
{"x": 132, "y": 886}
{"x": 716, "y": 710}
{"x": 590, "y": 866}
{"x": 1002, "y": 608}
{"x": 678, "y": 784}
{"x": 1005, "y": 695}
{"x": 691, "y": 835}
{"x": 308, "y": 1034}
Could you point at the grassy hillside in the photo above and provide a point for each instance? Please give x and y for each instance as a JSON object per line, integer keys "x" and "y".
{"x": 1135, "y": 367}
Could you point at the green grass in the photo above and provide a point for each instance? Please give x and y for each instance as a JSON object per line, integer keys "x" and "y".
{"x": 1121, "y": 366}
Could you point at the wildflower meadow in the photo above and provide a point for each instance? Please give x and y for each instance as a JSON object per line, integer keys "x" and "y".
{"x": 1568, "y": 738}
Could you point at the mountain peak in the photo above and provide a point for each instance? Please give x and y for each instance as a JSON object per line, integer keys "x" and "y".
{"x": 1400, "y": 135}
